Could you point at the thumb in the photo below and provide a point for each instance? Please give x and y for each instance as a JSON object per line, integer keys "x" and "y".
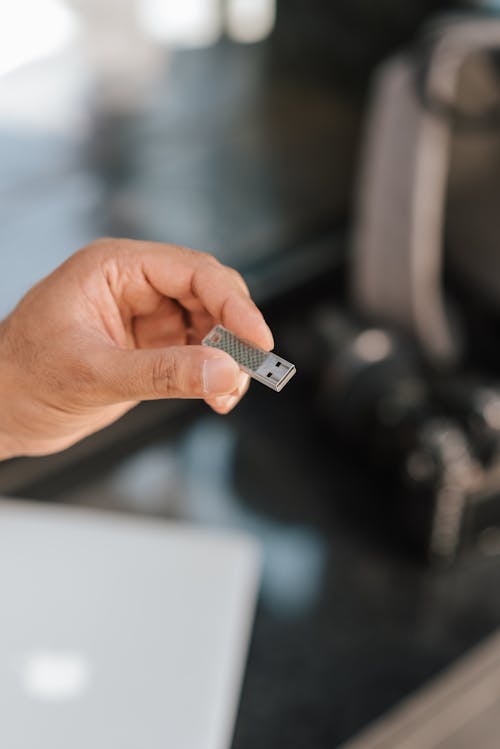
{"x": 173, "y": 372}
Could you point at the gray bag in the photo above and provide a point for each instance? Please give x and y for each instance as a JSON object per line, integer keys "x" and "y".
{"x": 430, "y": 177}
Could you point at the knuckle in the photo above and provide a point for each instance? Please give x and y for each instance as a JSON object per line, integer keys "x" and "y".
{"x": 210, "y": 260}
{"x": 100, "y": 244}
{"x": 164, "y": 375}
{"x": 238, "y": 278}
{"x": 187, "y": 253}
{"x": 103, "y": 242}
{"x": 97, "y": 249}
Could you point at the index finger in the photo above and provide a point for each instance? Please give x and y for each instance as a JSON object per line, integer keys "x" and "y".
{"x": 184, "y": 274}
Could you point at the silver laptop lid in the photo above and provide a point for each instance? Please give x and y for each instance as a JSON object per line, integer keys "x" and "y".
{"x": 118, "y": 633}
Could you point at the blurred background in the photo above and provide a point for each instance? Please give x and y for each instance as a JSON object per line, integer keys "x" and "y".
{"x": 345, "y": 157}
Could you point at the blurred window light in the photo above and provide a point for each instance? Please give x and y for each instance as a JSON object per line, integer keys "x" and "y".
{"x": 250, "y": 20}
{"x": 31, "y": 30}
{"x": 190, "y": 23}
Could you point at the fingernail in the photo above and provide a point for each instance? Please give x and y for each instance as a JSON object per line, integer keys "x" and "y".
{"x": 265, "y": 329}
{"x": 227, "y": 402}
{"x": 270, "y": 338}
{"x": 219, "y": 375}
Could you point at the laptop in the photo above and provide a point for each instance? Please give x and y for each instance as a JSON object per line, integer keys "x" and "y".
{"x": 118, "y": 632}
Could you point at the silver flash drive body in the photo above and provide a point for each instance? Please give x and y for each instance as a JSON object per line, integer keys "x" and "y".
{"x": 263, "y": 366}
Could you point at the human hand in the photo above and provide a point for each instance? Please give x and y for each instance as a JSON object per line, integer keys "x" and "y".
{"x": 110, "y": 328}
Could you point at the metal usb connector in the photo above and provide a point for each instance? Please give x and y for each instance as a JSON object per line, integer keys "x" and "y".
{"x": 268, "y": 368}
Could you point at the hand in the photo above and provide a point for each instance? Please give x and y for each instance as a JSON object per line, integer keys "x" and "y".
{"x": 110, "y": 328}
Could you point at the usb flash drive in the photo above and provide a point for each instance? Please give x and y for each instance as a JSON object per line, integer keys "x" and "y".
{"x": 263, "y": 366}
